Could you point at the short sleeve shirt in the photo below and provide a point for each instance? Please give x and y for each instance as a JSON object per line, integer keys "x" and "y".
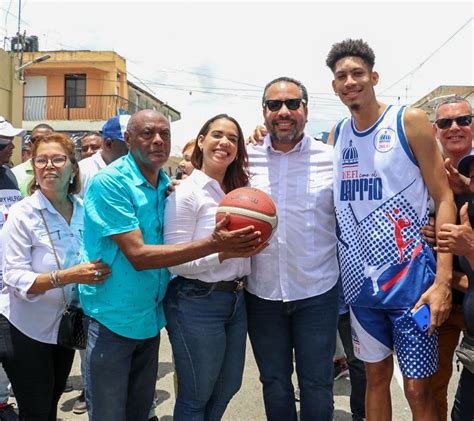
{"x": 120, "y": 200}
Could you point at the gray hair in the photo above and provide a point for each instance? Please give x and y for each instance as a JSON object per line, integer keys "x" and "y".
{"x": 455, "y": 99}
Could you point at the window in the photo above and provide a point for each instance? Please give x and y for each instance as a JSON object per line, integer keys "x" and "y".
{"x": 75, "y": 91}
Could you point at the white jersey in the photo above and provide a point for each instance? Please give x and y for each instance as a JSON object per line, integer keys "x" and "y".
{"x": 381, "y": 203}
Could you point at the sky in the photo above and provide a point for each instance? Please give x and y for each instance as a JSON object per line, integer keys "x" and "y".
{"x": 206, "y": 58}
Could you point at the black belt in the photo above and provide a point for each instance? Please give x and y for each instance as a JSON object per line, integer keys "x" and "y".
{"x": 235, "y": 285}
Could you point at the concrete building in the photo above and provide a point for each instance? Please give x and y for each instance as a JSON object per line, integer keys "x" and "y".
{"x": 429, "y": 102}
{"x": 11, "y": 96}
{"x": 77, "y": 91}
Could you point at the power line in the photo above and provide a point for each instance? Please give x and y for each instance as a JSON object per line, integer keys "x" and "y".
{"x": 429, "y": 57}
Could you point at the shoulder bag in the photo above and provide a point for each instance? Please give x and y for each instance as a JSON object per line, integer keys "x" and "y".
{"x": 71, "y": 332}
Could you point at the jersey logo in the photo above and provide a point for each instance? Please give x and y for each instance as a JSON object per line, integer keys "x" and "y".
{"x": 384, "y": 140}
{"x": 400, "y": 224}
{"x": 354, "y": 185}
{"x": 387, "y": 274}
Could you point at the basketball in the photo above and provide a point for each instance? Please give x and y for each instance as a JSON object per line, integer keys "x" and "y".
{"x": 249, "y": 206}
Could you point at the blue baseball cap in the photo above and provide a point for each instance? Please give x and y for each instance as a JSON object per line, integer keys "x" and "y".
{"x": 115, "y": 127}
{"x": 465, "y": 163}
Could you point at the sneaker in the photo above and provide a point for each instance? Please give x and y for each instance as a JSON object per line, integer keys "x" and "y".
{"x": 68, "y": 387}
{"x": 341, "y": 369}
{"x": 79, "y": 406}
{"x": 297, "y": 394}
{"x": 7, "y": 413}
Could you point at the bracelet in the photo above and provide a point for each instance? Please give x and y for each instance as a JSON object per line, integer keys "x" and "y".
{"x": 54, "y": 279}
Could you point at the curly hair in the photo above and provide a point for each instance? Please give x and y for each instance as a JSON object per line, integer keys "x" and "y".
{"x": 237, "y": 174}
{"x": 351, "y": 48}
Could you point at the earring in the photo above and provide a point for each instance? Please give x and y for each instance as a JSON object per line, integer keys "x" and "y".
{"x": 71, "y": 180}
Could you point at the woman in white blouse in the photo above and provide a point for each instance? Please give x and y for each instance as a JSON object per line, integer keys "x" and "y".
{"x": 32, "y": 301}
{"x": 204, "y": 306}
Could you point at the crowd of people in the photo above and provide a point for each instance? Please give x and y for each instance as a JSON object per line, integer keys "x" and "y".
{"x": 357, "y": 251}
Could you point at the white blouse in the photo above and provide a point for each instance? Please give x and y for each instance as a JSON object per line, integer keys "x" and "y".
{"x": 190, "y": 214}
{"x": 28, "y": 253}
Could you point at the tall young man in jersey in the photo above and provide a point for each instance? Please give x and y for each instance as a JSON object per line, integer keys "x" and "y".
{"x": 385, "y": 162}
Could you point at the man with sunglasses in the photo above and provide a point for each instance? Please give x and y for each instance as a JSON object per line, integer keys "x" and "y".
{"x": 9, "y": 194}
{"x": 453, "y": 130}
{"x": 292, "y": 294}
{"x": 385, "y": 161}
{"x": 24, "y": 171}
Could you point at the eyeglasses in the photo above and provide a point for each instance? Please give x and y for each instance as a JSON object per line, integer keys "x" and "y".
{"x": 2, "y": 147}
{"x": 292, "y": 104}
{"x": 445, "y": 123}
{"x": 41, "y": 161}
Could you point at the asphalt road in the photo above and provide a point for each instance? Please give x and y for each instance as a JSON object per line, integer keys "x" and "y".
{"x": 247, "y": 405}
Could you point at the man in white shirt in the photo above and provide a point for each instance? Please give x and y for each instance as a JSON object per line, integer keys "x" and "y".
{"x": 292, "y": 293}
{"x": 113, "y": 147}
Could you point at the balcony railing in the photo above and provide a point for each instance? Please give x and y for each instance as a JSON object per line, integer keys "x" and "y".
{"x": 81, "y": 107}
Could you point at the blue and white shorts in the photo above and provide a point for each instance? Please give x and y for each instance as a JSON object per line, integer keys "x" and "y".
{"x": 376, "y": 333}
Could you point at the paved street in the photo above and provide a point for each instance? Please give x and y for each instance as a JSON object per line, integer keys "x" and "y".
{"x": 248, "y": 404}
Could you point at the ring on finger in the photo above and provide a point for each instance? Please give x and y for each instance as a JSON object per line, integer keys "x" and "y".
{"x": 96, "y": 278}
{"x": 98, "y": 273}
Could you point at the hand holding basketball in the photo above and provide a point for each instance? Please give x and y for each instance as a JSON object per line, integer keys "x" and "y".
{"x": 249, "y": 206}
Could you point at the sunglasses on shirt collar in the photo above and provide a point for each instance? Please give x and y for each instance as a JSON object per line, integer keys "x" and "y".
{"x": 446, "y": 123}
{"x": 275, "y": 104}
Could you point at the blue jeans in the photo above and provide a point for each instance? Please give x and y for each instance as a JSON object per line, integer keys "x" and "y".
{"x": 308, "y": 327}
{"x": 120, "y": 375}
{"x": 208, "y": 332}
{"x": 356, "y": 368}
{"x": 4, "y": 386}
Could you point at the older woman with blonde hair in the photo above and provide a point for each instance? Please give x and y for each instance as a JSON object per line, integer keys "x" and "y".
{"x": 42, "y": 253}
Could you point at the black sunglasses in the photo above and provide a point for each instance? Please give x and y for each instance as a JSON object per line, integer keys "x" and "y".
{"x": 445, "y": 123}
{"x": 275, "y": 104}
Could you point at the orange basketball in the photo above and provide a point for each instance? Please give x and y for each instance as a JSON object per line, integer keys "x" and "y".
{"x": 249, "y": 206}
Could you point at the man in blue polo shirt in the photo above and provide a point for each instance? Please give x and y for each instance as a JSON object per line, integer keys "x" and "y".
{"x": 124, "y": 227}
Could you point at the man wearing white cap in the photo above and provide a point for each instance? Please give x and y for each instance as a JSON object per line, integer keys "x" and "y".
{"x": 113, "y": 147}
{"x": 9, "y": 194}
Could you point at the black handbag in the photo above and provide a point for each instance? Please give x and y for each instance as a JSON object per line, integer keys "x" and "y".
{"x": 71, "y": 333}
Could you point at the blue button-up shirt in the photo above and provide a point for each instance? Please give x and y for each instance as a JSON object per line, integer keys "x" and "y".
{"x": 121, "y": 200}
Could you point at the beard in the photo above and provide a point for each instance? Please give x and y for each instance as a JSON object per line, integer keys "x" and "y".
{"x": 287, "y": 137}
{"x": 354, "y": 107}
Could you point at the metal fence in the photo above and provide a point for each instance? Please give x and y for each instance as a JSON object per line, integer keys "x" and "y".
{"x": 86, "y": 107}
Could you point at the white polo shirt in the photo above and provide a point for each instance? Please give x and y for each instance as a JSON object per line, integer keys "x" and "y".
{"x": 89, "y": 167}
{"x": 300, "y": 261}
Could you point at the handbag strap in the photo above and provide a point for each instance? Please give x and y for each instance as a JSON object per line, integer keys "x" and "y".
{"x": 55, "y": 255}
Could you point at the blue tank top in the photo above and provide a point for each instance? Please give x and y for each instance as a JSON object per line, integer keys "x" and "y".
{"x": 381, "y": 203}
